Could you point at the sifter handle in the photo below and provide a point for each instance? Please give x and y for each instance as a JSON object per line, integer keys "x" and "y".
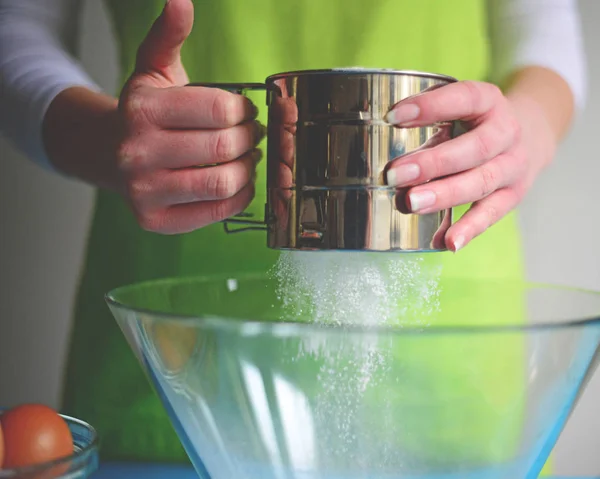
{"x": 239, "y": 88}
{"x": 241, "y": 219}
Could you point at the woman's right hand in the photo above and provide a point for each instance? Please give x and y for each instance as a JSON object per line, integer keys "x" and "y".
{"x": 186, "y": 157}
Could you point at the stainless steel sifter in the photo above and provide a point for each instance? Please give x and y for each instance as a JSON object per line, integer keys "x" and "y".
{"x": 328, "y": 146}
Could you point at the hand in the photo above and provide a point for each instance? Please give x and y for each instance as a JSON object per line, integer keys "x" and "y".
{"x": 492, "y": 165}
{"x": 187, "y": 155}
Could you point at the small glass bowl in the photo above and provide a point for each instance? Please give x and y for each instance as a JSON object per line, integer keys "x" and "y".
{"x": 80, "y": 465}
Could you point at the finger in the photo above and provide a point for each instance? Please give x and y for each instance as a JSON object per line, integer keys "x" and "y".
{"x": 189, "y": 217}
{"x": 196, "y": 148}
{"x": 485, "y": 142}
{"x": 161, "y": 49}
{"x": 183, "y": 149}
{"x": 482, "y": 215}
{"x": 466, "y": 101}
{"x": 181, "y": 108}
{"x": 195, "y": 107}
{"x": 439, "y": 238}
{"x": 466, "y": 187}
{"x": 202, "y": 184}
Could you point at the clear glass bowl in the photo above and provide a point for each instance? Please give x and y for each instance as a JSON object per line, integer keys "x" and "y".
{"x": 80, "y": 465}
{"x": 478, "y": 387}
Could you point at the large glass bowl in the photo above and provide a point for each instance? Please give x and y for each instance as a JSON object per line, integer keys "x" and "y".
{"x": 478, "y": 387}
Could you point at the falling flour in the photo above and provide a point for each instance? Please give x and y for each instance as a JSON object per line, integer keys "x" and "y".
{"x": 356, "y": 289}
{"x": 345, "y": 291}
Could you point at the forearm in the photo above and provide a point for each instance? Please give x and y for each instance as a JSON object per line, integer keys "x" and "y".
{"x": 36, "y": 42}
{"x": 80, "y": 134}
{"x": 539, "y": 60}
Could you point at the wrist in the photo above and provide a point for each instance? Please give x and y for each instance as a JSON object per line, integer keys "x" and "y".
{"x": 548, "y": 97}
{"x": 538, "y": 136}
{"x": 80, "y": 132}
{"x": 534, "y": 119}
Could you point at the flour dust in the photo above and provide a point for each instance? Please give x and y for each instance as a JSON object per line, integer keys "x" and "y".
{"x": 342, "y": 291}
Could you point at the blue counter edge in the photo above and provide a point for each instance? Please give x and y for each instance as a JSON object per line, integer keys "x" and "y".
{"x": 135, "y": 471}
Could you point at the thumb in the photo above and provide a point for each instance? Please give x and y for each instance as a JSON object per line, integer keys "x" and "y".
{"x": 160, "y": 52}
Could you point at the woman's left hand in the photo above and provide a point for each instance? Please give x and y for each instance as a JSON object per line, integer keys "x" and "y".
{"x": 492, "y": 165}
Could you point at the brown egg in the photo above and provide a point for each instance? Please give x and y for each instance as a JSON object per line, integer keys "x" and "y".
{"x": 34, "y": 434}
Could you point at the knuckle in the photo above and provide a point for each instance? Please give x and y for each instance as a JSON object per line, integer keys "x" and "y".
{"x": 186, "y": 185}
{"x": 472, "y": 86}
{"x": 505, "y": 127}
{"x": 151, "y": 222}
{"x": 483, "y": 144}
{"x": 474, "y": 93}
{"x": 138, "y": 191}
{"x": 221, "y": 186}
{"x": 223, "y": 109}
{"x": 131, "y": 155}
{"x": 492, "y": 215}
{"x": 494, "y": 90}
{"x": 454, "y": 193}
{"x": 219, "y": 210}
{"x": 223, "y": 146}
{"x": 489, "y": 180}
{"x": 483, "y": 96}
{"x": 134, "y": 107}
{"x": 439, "y": 163}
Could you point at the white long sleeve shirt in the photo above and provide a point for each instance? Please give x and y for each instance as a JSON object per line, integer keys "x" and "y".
{"x": 37, "y": 40}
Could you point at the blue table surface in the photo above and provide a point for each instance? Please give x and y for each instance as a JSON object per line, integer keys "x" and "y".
{"x": 135, "y": 471}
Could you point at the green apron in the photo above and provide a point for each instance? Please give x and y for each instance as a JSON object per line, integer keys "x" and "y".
{"x": 237, "y": 41}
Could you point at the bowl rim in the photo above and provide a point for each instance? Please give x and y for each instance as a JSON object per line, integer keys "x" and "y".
{"x": 255, "y": 327}
{"x": 36, "y": 468}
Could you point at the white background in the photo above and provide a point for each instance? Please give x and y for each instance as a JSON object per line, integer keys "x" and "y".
{"x": 44, "y": 221}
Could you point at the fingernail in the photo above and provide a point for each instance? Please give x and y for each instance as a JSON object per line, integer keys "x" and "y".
{"x": 257, "y": 155}
{"x": 403, "y": 174}
{"x": 253, "y": 110}
{"x": 261, "y": 132}
{"x": 420, "y": 200}
{"x": 403, "y": 114}
{"x": 459, "y": 242}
